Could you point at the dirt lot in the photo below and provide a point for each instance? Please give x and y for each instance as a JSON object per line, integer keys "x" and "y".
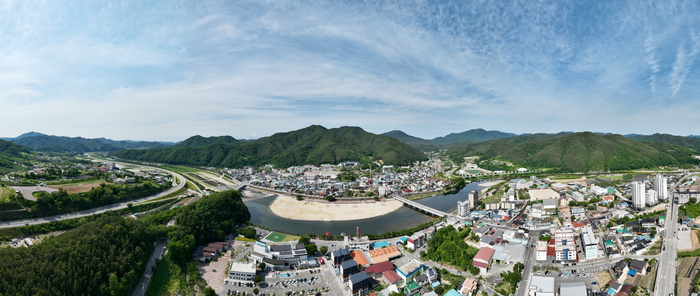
{"x": 77, "y": 188}
{"x": 603, "y": 278}
{"x": 694, "y": 237}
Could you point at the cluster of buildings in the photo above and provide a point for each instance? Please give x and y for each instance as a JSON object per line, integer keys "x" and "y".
{"x": 641, "y": 196}
{"x": 322, "y": 181}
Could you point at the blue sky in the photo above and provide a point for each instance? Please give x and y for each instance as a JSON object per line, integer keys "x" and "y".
{"x": 167, "y": 70}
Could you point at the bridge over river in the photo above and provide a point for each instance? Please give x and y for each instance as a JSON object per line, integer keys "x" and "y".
{"x": 421, "y": 207}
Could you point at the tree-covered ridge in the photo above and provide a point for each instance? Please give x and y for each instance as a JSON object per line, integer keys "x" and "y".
{"x": 449, "y": 141}
{"x": 312, "y": 145}
{"x": 579, "y": 152}
{"x": 205, "y": 221}
{"x": 79, "y": 144}
{"x": 688, "y": 142}
{"x": 9, "y": 152}
{"x": 104, "y": 257}
{"x": 198, "y": 141}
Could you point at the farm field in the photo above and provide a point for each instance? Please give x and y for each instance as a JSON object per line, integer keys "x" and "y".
{"x": 687, "y": 270}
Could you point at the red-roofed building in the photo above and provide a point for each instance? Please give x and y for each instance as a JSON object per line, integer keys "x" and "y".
{"x": 482, "y": 259}
{"x": 360, "y": 258}
{"x": 578, "y": 224}
{"x": 375, "y": 271}
{"x": 391, "y": 277}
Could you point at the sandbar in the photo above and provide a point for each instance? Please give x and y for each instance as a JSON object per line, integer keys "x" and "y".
{"x": 287, "y": 207}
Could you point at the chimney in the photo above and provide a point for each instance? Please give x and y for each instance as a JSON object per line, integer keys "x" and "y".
{"x": 357, "y": 232}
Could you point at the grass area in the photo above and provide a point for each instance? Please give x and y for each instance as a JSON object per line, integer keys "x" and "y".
{"x": 493, "y": 198}
{"x": 692, "y": 210}
{"x": 75, "y": 182}
{"x": 276, "y": 237}
{"x": 291, "y": 238}
{"x": 244, "y": 239}
{"x": 167, "y": 280}
{"x": 6, "y": 193}
{"x": 503, "y": 288}
{"x": 182, "y": 169}
{"x": 423, "y": 195}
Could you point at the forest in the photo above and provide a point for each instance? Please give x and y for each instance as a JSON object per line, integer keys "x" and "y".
{"x": 104, "y": 257}
{"x": 448, "y": 246}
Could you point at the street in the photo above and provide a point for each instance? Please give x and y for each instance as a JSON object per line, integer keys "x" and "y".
{"x": 142, "y": 286}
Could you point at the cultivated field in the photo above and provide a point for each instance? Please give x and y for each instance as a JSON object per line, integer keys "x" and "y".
{"x": 77, "y": 188}
{"x": 687, "y": 270}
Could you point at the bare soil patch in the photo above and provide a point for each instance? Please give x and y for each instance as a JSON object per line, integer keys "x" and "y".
{"x": 77, "y": 188}
{"x": 603, "y": 278}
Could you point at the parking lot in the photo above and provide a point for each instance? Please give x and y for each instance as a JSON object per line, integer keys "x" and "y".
{"x": 308, "y": 282}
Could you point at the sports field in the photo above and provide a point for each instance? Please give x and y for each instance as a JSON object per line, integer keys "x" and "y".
{"x": 276, "y": 237}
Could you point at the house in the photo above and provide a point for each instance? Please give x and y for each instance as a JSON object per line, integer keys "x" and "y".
{"x": 416, "y": 241}
{"x": 412, "y": 288}
{"x": 410, "y": 269}
{"x": 360, "y": 258}
{"x": 242, "y": 271}
{"x": 487, "y": 241}
{"x": 648, "y": 222}
{"x": 355, "y": 243}
{"x": 359, "y": 283}
{"x": 541, "y": 250}
{"x": 375, "y": 271}
{"x": 541, "y": 286}
{"x": 626, "y": 290}
{"x": 467, "y": 287}
{"x": 620, "y": 267}
{"x": 391, "y": 277}
{"x": 348, "y": 267}
{"x": 339, "y": 256}
{"x": 638, "y": 265}
{"x": 482, "y": 259}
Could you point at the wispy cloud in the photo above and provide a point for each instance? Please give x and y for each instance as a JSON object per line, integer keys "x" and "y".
{"x": 168, "y": 70}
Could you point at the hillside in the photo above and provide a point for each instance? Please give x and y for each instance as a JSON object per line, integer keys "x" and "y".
{"x": 312, "y": 145}
{"x": 198, "y": 141}
{"x": 42, "y": 142}
{"x": 450, "y": 141}
{"x": 688, "y": 142}
{"x": 12, "y": 149}
{"x": 474, "y": 135}
{"x": 578, "y": 152}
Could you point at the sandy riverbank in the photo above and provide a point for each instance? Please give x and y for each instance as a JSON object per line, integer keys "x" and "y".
{"x": 287, "y": 207}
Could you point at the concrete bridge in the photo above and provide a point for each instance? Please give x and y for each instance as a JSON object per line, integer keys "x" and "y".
{"x": 421, "y": 207}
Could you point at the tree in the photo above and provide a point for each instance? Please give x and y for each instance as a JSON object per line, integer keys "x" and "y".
{"x": 439, "y": 290}
{"x": 256, "y": 291}
{"x": 262, "y": 265}
{"x": 208, "y": 291}
{"x": 257, "y": 279}
{"x": 304, "y": 240}
{"x": 299, "y": 197}
{"x": 324, "y": 250}
{"x": 311, "y": 249}
{"x": 693, "y": 200}
{"x": 248, "y": 232}
{"x": 330, "y": 198}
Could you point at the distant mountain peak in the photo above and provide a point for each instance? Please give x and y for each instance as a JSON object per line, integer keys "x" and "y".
{"x": 30, "y": 134}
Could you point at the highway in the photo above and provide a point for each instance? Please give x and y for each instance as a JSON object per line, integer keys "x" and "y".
{"x": 177, "y": 178}
{"x": 666, "y": 275}
{"x": 142, "y": 286}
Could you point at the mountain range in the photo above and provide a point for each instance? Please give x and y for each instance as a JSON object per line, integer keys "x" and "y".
{"x": 451, "y": 140}
{"x": 42, "y": 142}
{"x": 312, "y": 145}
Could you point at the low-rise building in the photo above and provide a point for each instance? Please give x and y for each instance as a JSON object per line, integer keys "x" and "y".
{"x": 409, "y": 270}
{"x": 347, "y": 268}
{"x": 482, "y": 259}
{"x": 573, "y": 289}
{"x": 242, "y": 271}
{"x": 359, "y": 283}
{"x": 541, "y": 286}
{"x": 541, "y": 250}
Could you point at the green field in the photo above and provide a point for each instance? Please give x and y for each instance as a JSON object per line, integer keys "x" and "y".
{"x": 475, "y": 172}
{"x": 276, "y": 237}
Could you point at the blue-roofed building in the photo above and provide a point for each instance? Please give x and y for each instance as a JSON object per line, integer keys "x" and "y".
{"x": 452, "y": 292}
{"x": 611, "y": 291}
{"x": 379, "y": 245}
{"x": 632, "y": 273}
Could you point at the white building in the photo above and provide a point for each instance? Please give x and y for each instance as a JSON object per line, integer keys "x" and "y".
{"x": 638, "y": 195}
{"x": 590, "y": 242}
{"x": 463, "y": 208}
{"x": 242, "y": 271}
{"x": 541, "y": 250}
{"x": 660, "y": 186}
{"x": 541, "y": 286}
{"x": 573, "y": 289}
{"x": 652, "y": 197}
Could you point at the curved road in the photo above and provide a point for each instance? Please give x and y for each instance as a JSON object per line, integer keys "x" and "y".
{"x": 41, "y": 220}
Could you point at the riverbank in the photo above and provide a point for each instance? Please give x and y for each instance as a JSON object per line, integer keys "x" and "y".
{"x": 288, "y": 207}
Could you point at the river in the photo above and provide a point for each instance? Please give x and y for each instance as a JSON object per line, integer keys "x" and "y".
{"x": 397, "y": 220}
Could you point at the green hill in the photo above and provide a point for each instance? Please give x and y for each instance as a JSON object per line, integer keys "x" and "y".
{"x": 474, "y": 135}
{"x": 42, "y": 142}
{"x": 578, "y": 152}
{"x": 688, "y": 142}
{"x": 9, "y": 153}
{"x": 312, "y": 145}
{"x": 198, "y": 141}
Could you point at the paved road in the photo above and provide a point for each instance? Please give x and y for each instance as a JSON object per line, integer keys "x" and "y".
{"x": 41, "y": 220}
{"x": 142, "y": 287}
{"x": 666, "y": 275}
{"x": 530, "y": 258}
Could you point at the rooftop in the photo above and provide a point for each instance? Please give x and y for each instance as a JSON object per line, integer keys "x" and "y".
{"x": 573, "y": 289}
{"x": 542, "y": 284}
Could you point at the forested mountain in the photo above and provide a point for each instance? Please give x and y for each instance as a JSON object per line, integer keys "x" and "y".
{"x": 312, "y": 145}
{"x": 198, "y": 141}
{"x": 474, "y": 135}
{"x": 688, "y": 142}
{"x": 578, "y": 152}
{"x": 104, "y": 257}
{"x": 12, "y": 149}
{"x": 449, "y": 141}
{"x": 42, "y": 142}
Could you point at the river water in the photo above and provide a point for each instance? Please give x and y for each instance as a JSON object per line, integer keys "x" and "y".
{"x": 402, "y": 218}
